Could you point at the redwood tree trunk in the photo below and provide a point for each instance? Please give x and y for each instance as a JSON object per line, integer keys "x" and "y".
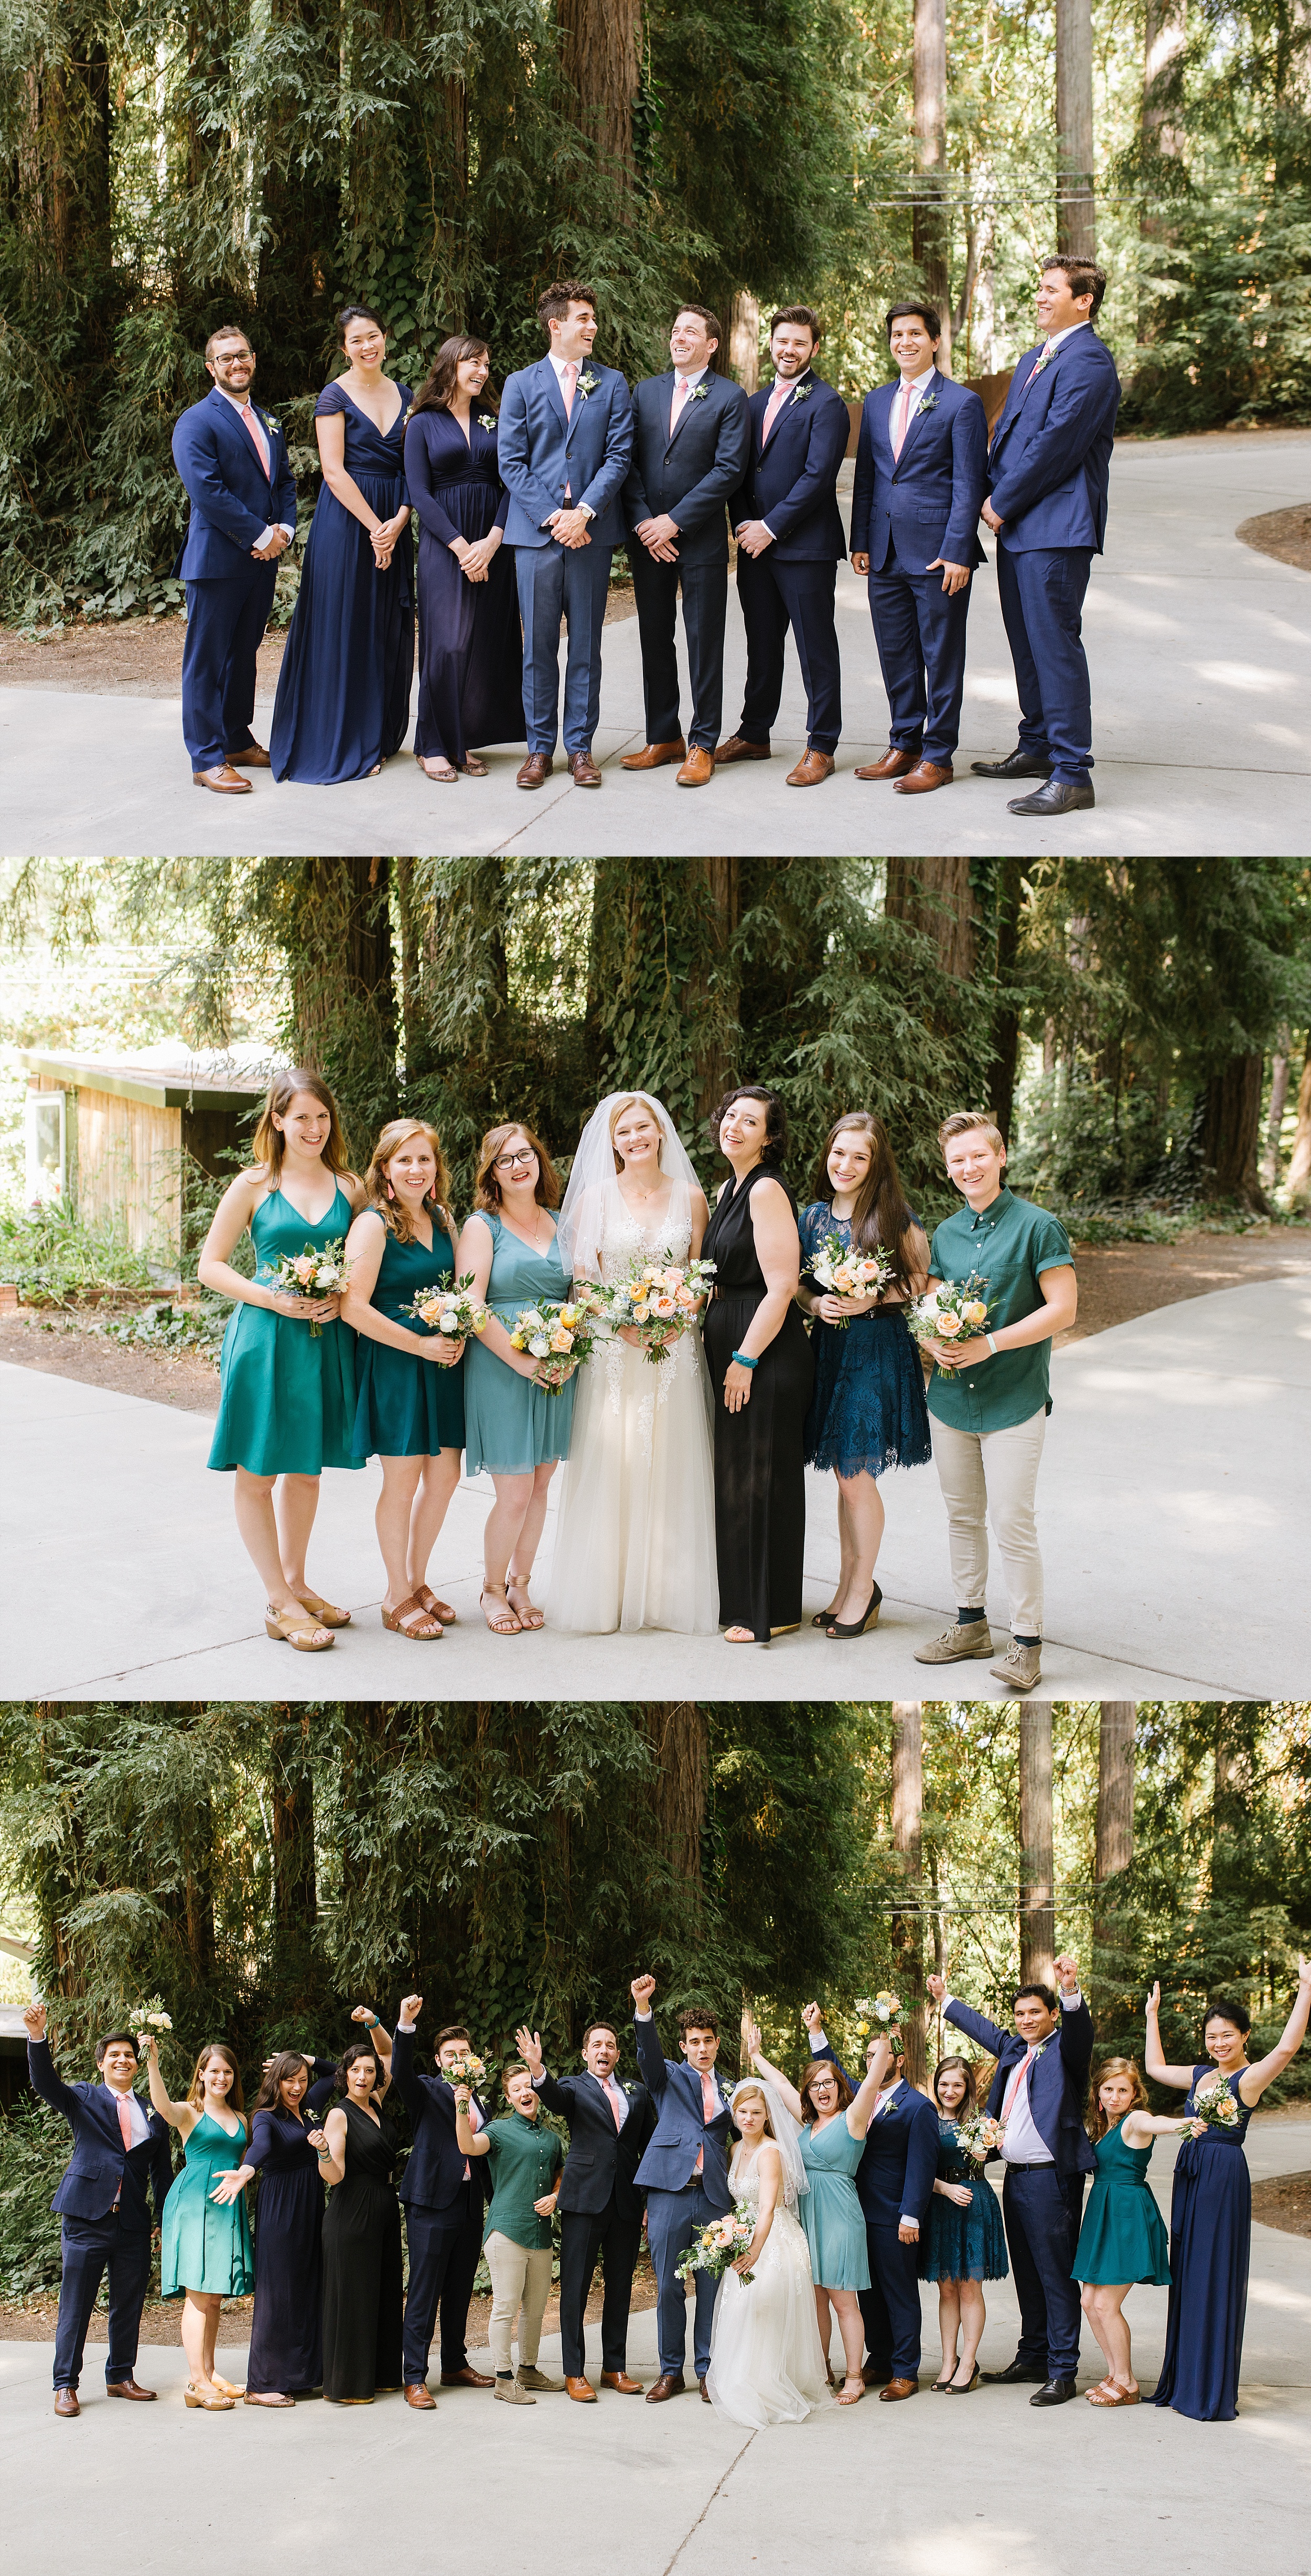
{"x": 1298, "y": 1184}
{"x": 1008, "y": 897}
{"x": 679, "y": 1739}
{"x": 744, "y": 339}
{"x": 908, "y": 1925}
{"x": 1037, "y": 1891}
{"x": 932, "y": 227}
{"x": 601, "y": 59}
{"x": 1115, "y": 1754}
{"x": 718, "y": 1026}
{"x": 1231, "y": 1127}
{"x": 934, "y": 896}
{"x": 1076, "y": 228}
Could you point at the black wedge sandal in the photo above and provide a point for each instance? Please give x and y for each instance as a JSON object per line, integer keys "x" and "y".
{"x": 857, "y": 1627}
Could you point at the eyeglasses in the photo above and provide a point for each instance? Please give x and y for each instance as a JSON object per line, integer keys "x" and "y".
{"x": 507, "y": 1162}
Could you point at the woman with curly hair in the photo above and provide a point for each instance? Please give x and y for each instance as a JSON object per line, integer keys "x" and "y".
{"x": 1122, "y": 2239}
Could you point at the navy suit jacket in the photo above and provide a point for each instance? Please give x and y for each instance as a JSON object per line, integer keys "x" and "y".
{"x": 925, "y": 502}
{"x": 540, "y": 448}
{"x": 100, "y": 2171}
{"x": 232, "y": 499}
{"x": 434, "y": 2170}
{"x": 793, "y": 481}
{"x": 1049, "y": 466}
{"x": 602, "y": 2159}
{"x": 1058, "y": 2082}
{"x": 682, "y": 2129}
{"x": 894, "y": 2179}
{"x": 694, "y": 474}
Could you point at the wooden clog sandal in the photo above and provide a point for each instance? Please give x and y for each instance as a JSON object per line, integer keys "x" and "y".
{"x": 326, "y": 1612}
{"x": 300, "y": 1633}
{"x": 411, "y": 1619}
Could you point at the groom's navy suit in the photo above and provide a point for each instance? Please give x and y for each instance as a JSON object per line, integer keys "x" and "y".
{"x": 103, "y": 2204}
{"x": 1043, "y": 2201}
{"x": 444, "y": 2197}
{"x": 551, "y": 459}
{"x": 894, "y": 2180}
{"x": 600, "y": 2208}
{"x": 791, "y": 483}
{"x": 229, "y": 594}
{"x": 906, "y": 511}
{"x": 1049, "y": 472}
{"x": 680, "y": 2198}
{"x": 690, "y": 475}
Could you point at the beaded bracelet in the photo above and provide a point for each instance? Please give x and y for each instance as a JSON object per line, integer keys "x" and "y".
{"x": 743, "y": 1361}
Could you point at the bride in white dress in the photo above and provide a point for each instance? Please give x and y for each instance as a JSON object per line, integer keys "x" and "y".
{"x": 766, "y": 2362}
{"x": 635, "y": 1537}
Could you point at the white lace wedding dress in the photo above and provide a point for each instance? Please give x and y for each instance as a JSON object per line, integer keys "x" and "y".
{"x": 766, "y": 2364}
{"x": 635, "y": 1537}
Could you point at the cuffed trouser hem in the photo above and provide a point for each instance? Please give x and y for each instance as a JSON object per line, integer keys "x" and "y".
{"x": 992, "y": 1476}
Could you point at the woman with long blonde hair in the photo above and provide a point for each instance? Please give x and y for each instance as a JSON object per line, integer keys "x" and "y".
{"x": 1122, "y": 2239}
{"x": 205, "y": 2254}
{"x": 287, "y": 1374}
{"x": 767, "y": 2363}
{"x": 410, "y": 1380}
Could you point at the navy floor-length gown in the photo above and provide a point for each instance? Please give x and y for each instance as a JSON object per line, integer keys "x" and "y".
{"x": 343, "y": 701}
{"x": 470, "y": 637}
{"x": 1210, "y": 2247}
{"x": 286, "y": 2328}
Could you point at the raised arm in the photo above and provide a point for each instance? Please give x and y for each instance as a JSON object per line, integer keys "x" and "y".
{"x": 41, "y": 2066}
{"x": 181, "y": 2116}
{"x": 1254, "y": 2079}
{"x": 1142, "y": 2126}
{"x": 861, "y": 2111}
{"x": 989, "y": 2034}
{"x": 773, "y": 2074}
{"x": 650, "y": 2055}
{"x": 1179, "y": 2076}
{"x": 381, "y": 2037}
{"x": 471, "y": 2142}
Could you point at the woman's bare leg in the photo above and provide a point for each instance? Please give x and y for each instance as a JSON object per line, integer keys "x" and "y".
{"x": 441, "y": 1475}
{"x": 400, "y": 1484}
{"x": 257, "y": 1529}
{"x": 862, "y": 1504}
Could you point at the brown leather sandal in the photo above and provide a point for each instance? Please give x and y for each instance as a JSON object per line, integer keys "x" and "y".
{"x": 325, "y": 1612}
{"x": 300, "y": 1633}
{"x": 411, "y": 1619}
{"x": 440, "y": 1609}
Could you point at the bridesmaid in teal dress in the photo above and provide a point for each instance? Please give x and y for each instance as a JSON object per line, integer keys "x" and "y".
{"x": 287, "y": 1373}
{"x": 834, "y": 2122}
{"x": 409, "y": 1408}
{"x": 206, "y": 2255}
{"x": 512, "y": 1426}
{"x": 964, "y": 2244}
{"x": 1122, "y": 2239}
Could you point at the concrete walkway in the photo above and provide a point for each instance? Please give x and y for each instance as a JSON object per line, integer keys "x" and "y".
{"x": 1172, "y": 1501}
{"x": 879, "y": 2491}
{"x": 1200, "y": 651}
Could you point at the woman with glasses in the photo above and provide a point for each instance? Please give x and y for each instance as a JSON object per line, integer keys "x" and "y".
{"x": 514, "y": 1426}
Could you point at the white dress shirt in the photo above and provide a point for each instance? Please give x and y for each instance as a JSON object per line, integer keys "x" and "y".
{"x": 136, "y": 2112}
{"x": 1024, "y": 2143}
{"x": 240, "y": 403}
{"x": 580, "y": 367}
{"x": 1056, "y": 337}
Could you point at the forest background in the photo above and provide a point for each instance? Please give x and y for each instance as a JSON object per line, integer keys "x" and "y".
{"x": 166, "y": 165}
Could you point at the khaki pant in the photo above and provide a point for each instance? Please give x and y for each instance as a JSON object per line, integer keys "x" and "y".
{"x": 520, "y": 2275}
{"x": 990, "y": 1476}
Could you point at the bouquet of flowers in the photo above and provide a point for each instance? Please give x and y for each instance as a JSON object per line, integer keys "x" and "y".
{"x": 713, "y": 2248}
{"x": 660, "y": 1299}
{"x": 1217, "y": 2107}
{"x": 149, "y": 2016}
{"x": 979, "y": 2135}
{"x": 951, "y": 1310}
{"x": 881, "y": 2007}
{"x": 318, "y": 1271}
{"x": 557, "y": 1337}
{"x": 446, "y": 1307}
{"x": 466, "y": 2069}
{"x": 848, "y": 1273}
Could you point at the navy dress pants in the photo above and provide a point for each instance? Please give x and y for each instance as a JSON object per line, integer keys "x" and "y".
{"x": 920, "y": 632}
{"x": 568, "y": 582}
{"x": 444, "y": 2247}
{"x": 705, "y": 609}
{"x": 1042, "y": 2214}
{"x": 774, "y": 596}
{"x": 1042, "y": 604}
{"x": 225, "y": 626}
{"x": 672, "y": 2220}
{"x": 890, "y": 2306}
{"x": 92, "y": 2246}
{"x": 584, "y": 2234}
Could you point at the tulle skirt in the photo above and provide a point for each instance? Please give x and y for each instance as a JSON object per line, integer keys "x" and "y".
{"x": 766, "y": 2361}
{"x": 635, "y": 1540}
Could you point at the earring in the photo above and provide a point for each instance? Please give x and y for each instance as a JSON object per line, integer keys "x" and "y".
{"x": 390, "y": 1191}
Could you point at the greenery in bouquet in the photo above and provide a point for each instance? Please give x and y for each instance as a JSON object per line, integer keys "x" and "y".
{"x": 951, "y": 1310}
{"x": 559, "y": 1338}
{"x": 1217, "y": 2107}
{"x": 845, "y": 1272}
{"x": 884, "y": 2009}
{"x": 980, "y": 2135}
{"x": 321, "y": 1270}
{"x": 149, "y": 2017}
{"x": 660, "y": 1300}
{"x": 467, "y": 2069}
{"x": 446, "y": 1307}
{"x": 714, "y": 2248}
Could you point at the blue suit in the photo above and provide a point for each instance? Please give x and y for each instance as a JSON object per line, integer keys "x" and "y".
{"x": 894, "y": 2180}
{"x": 1049, "y": 475}
{"x": 548, "y": 456}
{"x": 905, "y": 512}
{"x": 229, "y": 595}
{"x": 1043, "y": 2203}
{"x": 103, "y": 2204}
{"x": 791, "y": 482}
{"x": 679, "y": 2200}
{"x": 443, "y": 2216}
{"x": 690, "y": 476}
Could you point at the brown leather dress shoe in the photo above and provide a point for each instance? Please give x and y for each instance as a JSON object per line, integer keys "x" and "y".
{"x": 583, "y": 769}
{"x": 812, "y": 769}
{"x": 893, "y": 763}
{"x": 468, "y": 2378}
{"x": 418, "y": 2393}
{"x": 738, "y": 748}
{"x": 128, "y": 2388}
{"x": 66, "y": 2402}
{"x": 670, "y": 2383}
{"x": 923, "y": 778}
{"x": 698, "y": 768}
{"x": 222, "y": 782}
{"x": 897, "y": 2388}
{"x": 621, "y": 2383}
{"x": 583, "y": 2390}
{"x": 657, "y": 755}
{"x": 705, "y": 2393}
{"x": 536, "y": 770}
{"x": 253, "y": 757}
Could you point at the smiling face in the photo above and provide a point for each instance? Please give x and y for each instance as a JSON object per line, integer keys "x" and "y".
{"x": 951, "y": 2089}
{"x": 516, "y": 1166}
{"x": 1224, "y": 2041}
{"x": 305, "y": 1125}
{"x": 975, "y": 1164}
{"x": 637, "y": 1139}
{"x": 361, "y": 2077}
{"x": 519, "y": 2092}
{"x": 216, "y": 2077}
{"x": 293, "y": 2089}
{"x": 1058, "y": 309}
{"x": 744, "y": 1131}
{"x": 471, "y": 374}
{"x": 119, "y": 2066}
{"x": 791, "y": 348}
{"x": 231, "y": 362}
{"x": 822, "y": 2091}
{"x": 849, "y": 1159}
{"x": 1032, "y": 2019}
{"x": 572, "y": 338}
{"x": 412, "y": 1170}
{"x": 690, "y": 344}
{"x": 365, "y": 346}
{"x": 912, "y": 345}
{"x": 452, "y": 2050}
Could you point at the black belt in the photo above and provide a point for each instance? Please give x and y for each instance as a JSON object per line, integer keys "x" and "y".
{"x": 1046, "y": 2165}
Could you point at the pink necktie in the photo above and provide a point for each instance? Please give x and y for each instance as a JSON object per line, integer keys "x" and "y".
{"x": 257, "y": 438}
{"x": 681, "y": 392}
{"x": 615, "y": 2097}
{"x": 1033, "y": 371}
{"x": 125, "y": 2121}
{"x": 568, "y": 379}
{"x": 1016, "y": 2081}
{"x": 772, "y": 409}
{"x": 709, "y": 2111}
{"x": 899, "y": 433}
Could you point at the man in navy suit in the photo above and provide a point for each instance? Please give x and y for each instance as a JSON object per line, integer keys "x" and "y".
{"x": 233, "y": 459}
{"x": 1049, "y": 470}
{"x": 600, "y": 2206}
{"x": 684, "y": 2175}
{"x": 691, "y": 432}
{"x": 789, "y": 545}
{"x": 921, "y": 466}
{"x": 444, "y": 2200}
{"x": 894, "y": 2180}
{"x": 1040, "y": 2090}
{"x": 565, "y": 438}
{"x": 120, "y": 2156}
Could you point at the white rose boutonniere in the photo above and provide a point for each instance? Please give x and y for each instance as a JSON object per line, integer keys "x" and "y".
{"x": 802, "y": 393}
{"x": 486, "y": 420}
{"x": 1039, "y": 364}
{"x": 587, "y": 384}
{"x": 699, "y": 392}
{"x": 927, "y": 402}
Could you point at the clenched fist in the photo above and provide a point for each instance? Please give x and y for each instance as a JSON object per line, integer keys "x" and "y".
{"x": 641, "y": 1990}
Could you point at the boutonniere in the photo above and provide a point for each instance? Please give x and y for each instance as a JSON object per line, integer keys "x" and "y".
{"x": 1042, "y": 2051}
{"x": 927, "y": 402}
{"x": 587, "y": 383}
{"x": 802, "y": 393}
{"x": 486, "y": 420}
{"x": 270, "y": 423}
{"x": 1039, "y": 364}
{"x": 699, "y": 392}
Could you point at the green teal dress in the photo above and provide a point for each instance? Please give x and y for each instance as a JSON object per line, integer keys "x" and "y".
{"x": 287, "y": 1401}
{"x": 206, "y": 2244}
{"x": 406, "y": 1407}
{"x": 510, "y": 1425}
{"x": 1123, "y": 2233}
{"x": 834, "y": 2219}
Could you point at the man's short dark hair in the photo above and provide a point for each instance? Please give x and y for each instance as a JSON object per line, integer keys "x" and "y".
{"x": 697, "y": 2017}
{"x": 225, "y": 331}
{"x": 798, "y": 313}
{"x": 452, "y": 2030}
{"x": 923, "y": 313}
{"x": 1084, "y": 276}
{"x": 1043, "y": 1993}
{"x": 554, "y": 305}
{"x": 600, "y": 2025}
{"x": 714, "y": 327}
{"x": 117, "y": 2039}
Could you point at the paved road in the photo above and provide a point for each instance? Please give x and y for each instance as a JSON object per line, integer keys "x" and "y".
{"x": 1200, "y": 651}
{"x": 1168, "y": 1502}
{"x": 874, "y": 2490}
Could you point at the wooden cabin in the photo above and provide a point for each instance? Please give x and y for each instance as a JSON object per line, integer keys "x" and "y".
{"x": 128, "y": 1124}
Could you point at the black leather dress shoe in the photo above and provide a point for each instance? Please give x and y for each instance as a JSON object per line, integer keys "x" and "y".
{"x": 1013, "y": 2374}
{"x": 1053, "y": 2392}
{"x": 1059, "y": 796}
{"x": 1017, "y": 764}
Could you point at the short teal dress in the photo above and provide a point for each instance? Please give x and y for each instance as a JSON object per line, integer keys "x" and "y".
{"x": 834, "y": 2219}
{"x": 405, "y": 1407}
{"x": 962, "y": 2244}
{"x": 287, "y": 1402}
{"x": 1123, "y": 2233}
{"x": 206, "y": 2244}
{"x": 510, "y": 1425}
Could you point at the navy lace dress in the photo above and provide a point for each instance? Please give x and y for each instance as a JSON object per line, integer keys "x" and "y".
{"x": 867, "y": 1409}
{"x": 1210, "y": 2247}
{"x": 962, "y": 2244}
{"x": 343, "y": 701}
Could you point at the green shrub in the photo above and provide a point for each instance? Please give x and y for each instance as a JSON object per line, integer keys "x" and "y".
{"x": 34, "y": 2149}
{"x": 55, "y": 1257}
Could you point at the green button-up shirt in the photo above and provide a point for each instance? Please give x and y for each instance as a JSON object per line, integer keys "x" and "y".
{"x": 1008, "y": 1243}
{"x": 524, "y": 2157}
